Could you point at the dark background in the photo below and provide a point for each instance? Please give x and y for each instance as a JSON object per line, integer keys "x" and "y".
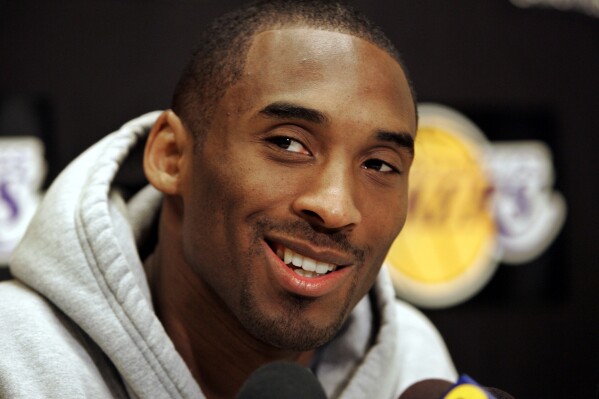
{"x": 82, "y": 68}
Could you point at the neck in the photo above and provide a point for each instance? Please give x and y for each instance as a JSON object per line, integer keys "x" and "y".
{"x": 217, "y": 349}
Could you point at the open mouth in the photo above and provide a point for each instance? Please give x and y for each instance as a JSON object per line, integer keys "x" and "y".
{"x": 300, "y": 264}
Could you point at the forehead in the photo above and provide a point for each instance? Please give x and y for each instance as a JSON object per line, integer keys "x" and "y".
{"x": 325, "y": 70}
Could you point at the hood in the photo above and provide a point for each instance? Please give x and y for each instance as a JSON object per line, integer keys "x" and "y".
{"x": 80, "y": 253}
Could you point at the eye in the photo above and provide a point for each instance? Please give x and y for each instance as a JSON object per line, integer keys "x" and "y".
{"x": 288, "y": 144}
{"x": 379, "y": 166}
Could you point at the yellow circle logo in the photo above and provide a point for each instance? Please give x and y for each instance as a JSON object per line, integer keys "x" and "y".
{"x": 446, "y": 250}
{"x": 466, "y": 391}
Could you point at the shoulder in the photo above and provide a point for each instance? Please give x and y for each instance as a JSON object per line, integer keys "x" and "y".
{"x": 421, "y": 348}
{"x": 22, "y": 310}
{"x": 417, "y": 334}
{"x": 43, "y": 353}
{"x": 13, "y": 292}
{"x": 26, "y": 317}
{"x": 412, "y": 320}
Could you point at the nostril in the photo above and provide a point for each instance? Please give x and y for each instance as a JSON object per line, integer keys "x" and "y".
{"x": 312, "y": 214}
{"x": 321, "y": 225}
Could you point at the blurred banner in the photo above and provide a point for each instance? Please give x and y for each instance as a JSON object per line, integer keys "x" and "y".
{"x": 590, "y": 7}
{"x": 24, "y": 130}
{"x": 473, "y": 204}
{"x": 22, "y": 171}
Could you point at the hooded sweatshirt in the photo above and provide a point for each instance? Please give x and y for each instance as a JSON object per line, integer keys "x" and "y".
{"x": 77, "y": 321}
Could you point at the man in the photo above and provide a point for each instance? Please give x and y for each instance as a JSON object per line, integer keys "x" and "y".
{"x": 279, "y": 181}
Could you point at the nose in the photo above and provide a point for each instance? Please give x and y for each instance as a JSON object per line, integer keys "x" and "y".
{"x": 328, "y": 199}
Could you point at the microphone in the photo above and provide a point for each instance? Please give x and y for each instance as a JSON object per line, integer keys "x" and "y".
{"x": 427, "y": 389}
{"x": 499, "y": 394}
{"x": 465, "y": 388}
{"x": 287, "y": 380}
{"x": 281, "y": 380}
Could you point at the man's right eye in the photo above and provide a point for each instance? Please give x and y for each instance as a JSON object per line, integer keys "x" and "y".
{"x": 288, "y": 144}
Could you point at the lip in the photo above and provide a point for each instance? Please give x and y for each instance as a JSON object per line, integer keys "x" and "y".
{"x": 312, "y": 287}
{"x": 321, "y": 254}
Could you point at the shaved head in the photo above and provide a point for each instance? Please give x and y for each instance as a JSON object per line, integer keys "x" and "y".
{"x": 219, "y": 60}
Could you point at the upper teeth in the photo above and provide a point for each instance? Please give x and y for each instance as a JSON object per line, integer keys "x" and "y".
{"x": 306, "y": 263}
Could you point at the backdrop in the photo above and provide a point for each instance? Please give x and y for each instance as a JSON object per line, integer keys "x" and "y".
{"x": 81, "y": 68}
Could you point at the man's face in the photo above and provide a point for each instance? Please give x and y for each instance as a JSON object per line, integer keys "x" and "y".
{"x": 306, "y": 162}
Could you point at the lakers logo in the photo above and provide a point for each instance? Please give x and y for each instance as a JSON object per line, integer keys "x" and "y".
{"x": 466, "y": 391}
{"x": 451, "y": 243}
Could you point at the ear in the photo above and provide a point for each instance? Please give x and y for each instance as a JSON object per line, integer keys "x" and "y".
{"x": 166, "y": 153}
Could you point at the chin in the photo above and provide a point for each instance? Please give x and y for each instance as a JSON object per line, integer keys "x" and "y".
{"x": 298, "y": 324}
{"x": 294, "y": 336}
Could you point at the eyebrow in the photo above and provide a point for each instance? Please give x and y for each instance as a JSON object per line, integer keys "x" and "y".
{"x": 283, "y": 110}
{"x": 401, "y": 139}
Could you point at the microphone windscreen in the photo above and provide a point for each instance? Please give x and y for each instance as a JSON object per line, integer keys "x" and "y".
{"x": 499, "y": 394}
{"x": 281, "y": 380}
{"x": 427, "y": 389}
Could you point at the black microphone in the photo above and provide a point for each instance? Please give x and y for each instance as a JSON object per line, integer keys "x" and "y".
{"x": 281, "y": 380}
{"x": 499, "y": 394}
{"x": 427, "y": 389}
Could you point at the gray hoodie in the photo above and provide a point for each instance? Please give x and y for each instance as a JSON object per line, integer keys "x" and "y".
{"x": 78, "y": 321}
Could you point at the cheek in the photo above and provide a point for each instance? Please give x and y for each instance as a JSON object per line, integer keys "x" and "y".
{"x": 382, "y": 224}
{"x": 400, "y": 210}
{"x": 208, "y": 197}
{"x": 385, "y": 215}
{"x": 225, "y": 189}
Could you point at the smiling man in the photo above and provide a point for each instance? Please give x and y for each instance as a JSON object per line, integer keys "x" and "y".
{"x": 279, "y": 181}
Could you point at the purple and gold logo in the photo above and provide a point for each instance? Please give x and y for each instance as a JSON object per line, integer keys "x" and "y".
{"x": 22, "y": 169}
{"x": 472, "y": 203}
